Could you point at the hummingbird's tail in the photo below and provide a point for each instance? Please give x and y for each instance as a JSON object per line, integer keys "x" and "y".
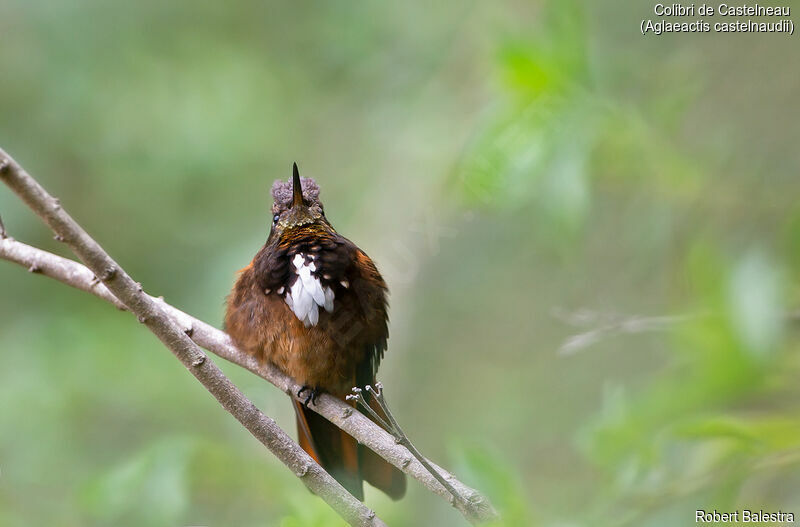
{"x": 344, "y": 459}
{"x": 377, "y": 471}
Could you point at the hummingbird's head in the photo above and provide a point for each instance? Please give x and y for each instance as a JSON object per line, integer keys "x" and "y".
{"x": 296, "y": 206}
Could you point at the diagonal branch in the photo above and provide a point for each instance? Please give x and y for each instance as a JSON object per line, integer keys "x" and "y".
{"x": 157, "y": 319}
{"x": 476, "y": 507}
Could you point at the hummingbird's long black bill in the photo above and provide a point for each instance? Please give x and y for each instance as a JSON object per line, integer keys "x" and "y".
{"x": 297, "y": 187}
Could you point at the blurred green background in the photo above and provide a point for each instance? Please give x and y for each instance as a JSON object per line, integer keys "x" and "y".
{"x": 535, "y": 180}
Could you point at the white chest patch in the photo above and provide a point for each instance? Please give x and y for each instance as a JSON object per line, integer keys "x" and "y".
{"x": 307, "y": 294}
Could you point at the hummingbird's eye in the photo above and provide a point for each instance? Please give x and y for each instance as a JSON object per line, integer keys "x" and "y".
{"x": 275, "y": 219}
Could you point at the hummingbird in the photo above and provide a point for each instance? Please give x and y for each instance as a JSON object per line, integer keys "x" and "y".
{"x": 314, "y": 305}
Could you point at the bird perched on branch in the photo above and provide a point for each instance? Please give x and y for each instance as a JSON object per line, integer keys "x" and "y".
{"x": 314, "y": 305}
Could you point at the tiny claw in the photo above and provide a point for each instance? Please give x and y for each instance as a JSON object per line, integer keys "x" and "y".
{"x": 313, "y": 395}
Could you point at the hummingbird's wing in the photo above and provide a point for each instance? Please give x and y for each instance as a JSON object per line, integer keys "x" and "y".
{"x": 372, "y": 291}
{"x": 357, "y": 273}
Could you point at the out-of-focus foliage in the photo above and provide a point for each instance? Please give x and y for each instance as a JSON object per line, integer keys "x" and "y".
{"x": 503, "y": 162}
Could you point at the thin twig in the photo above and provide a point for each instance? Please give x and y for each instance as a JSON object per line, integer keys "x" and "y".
{"x": 158, "y": 320}
{"x": 357, "y": 396}
{"x": 477, "y": 508}
{"x": 610, "y": 325}
{"x": 400, "y": 436}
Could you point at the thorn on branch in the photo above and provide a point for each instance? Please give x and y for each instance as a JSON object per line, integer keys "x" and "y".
{"x": 199, "y": 361}
{"x": 56, "y": 204}
{"x": 475, "y": 498}
{"x": 302, "y": 470}
{"x": 142, "y": 319}
{"x": 189, "y": 331}
{"x": 35, "y": 268}
{"x": 5, "y": 166}
{"x": 58, "y": 238}
{"x": 108, "y": 274}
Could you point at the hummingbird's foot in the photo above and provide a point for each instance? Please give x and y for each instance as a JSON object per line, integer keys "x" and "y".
{"x": 313, "y": 394}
